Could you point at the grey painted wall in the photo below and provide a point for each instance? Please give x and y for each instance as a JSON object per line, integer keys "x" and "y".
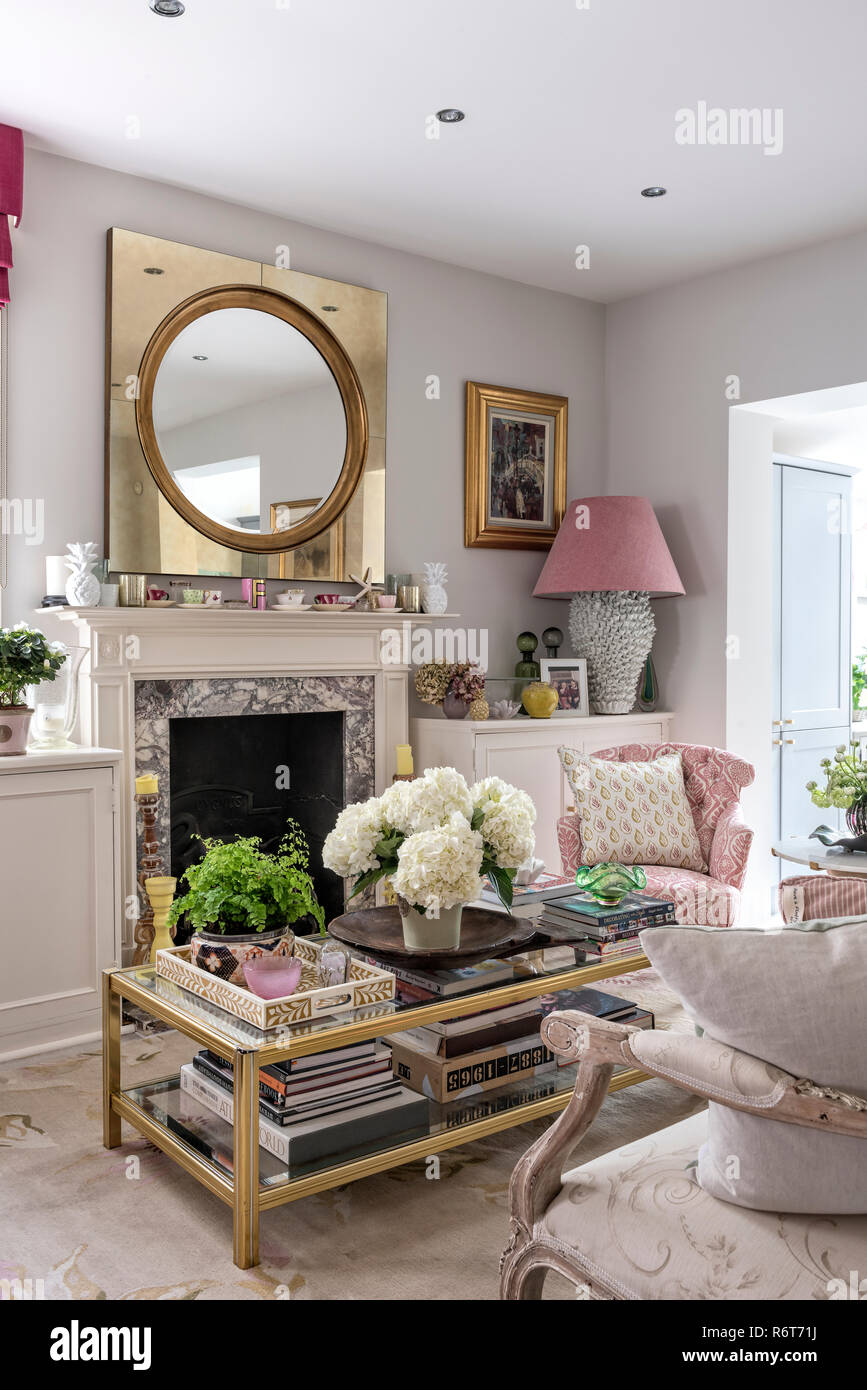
{"x": 794, "y": 323}
{"x": 443, "y": 320}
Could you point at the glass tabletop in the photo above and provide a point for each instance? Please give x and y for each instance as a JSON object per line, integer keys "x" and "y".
{"x": 544, "y": 966}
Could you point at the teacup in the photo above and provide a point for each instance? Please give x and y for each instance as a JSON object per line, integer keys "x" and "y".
{"x": 214, "y": 597}
{"x": 194, "y": 595}
{"x": 386, "y": 600}
{"x": 330, "y": 598}
{"x": 291, "y": 598}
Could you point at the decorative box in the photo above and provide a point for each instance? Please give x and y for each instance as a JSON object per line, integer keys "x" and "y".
{"x": 367, "y": 984}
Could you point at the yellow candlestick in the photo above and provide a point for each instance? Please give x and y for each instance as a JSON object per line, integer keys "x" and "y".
{"x": 404, "y": 760}
{"x": 147, "y": 785}
{"x": 161, "y": 892}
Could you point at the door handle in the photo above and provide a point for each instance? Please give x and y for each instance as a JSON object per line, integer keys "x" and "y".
{"x": 776, "y": 743}
{"x": 788, "y": 721}
{"x": 788, "y": 740}
{"x": 776, "y": 723}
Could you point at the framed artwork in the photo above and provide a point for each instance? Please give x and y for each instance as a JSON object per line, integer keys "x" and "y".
{"x": 515, "y": 467}
{"x": 319, "y": 558}
{"x": 568, "y": 676}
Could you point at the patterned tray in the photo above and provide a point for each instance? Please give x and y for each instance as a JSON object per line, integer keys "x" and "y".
{"x": 367, "y": 984}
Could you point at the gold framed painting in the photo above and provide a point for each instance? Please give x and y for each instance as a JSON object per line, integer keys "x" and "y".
{"x": 319, "y": 558}
{"x": 516, "y": 467}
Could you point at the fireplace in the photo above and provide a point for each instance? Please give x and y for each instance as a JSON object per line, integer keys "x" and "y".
{"x": 239, "y": 756}
{"x": 246, "y": 775}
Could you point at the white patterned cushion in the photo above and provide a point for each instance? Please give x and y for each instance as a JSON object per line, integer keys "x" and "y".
{"x": 633, "y": 813}
{"x": 638, "y": 1225}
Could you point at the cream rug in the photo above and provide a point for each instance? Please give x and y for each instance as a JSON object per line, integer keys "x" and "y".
{"x": 94, "y": 1225}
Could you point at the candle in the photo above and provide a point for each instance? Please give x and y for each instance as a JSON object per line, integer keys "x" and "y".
{"x": 404, "y": 760}
{"x": 147, "y": 785}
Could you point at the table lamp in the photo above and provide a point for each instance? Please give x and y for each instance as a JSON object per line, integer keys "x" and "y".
{"x": 610, "y": 558}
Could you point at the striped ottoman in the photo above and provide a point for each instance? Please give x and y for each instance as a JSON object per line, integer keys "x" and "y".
{"x": 812, "y": 897}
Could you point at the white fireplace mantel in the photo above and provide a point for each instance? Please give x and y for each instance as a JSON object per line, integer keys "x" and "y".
{"x": 136, "y": 644}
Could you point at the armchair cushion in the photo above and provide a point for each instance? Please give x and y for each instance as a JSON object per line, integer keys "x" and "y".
{"x": 637, "y": 1224}
{"x": 793, "y": 997}
{"x": 633, "y": 812}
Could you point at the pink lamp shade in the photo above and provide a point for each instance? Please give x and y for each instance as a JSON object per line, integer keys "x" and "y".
{"x": 613, "y": 544}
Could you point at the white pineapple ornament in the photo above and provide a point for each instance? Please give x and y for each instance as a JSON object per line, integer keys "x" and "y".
{"x": 82, "y": 587}
{"x": 433, "y": 592}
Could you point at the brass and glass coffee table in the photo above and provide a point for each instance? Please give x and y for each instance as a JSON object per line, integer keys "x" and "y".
{"x": 227, "y": 1159}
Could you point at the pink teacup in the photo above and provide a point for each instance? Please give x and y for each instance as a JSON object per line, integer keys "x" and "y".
{"x": 273, "y": 977}
{"x": 386, "y": 600}
{"x": 330, "y": 598}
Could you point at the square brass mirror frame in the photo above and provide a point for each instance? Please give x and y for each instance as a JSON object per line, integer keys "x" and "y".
{"x": 144, "y": 533}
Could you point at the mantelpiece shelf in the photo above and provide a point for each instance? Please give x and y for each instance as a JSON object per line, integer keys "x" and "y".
{"x": 121, "y": 618}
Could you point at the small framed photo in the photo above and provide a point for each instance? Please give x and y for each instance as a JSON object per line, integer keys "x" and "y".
{"x": 568, "y": 676}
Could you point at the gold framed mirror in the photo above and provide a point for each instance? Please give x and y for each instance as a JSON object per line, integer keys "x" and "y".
{"x": 266, "y": 352}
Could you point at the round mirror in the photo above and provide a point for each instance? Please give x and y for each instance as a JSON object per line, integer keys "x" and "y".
{"x": 251, "y": 418}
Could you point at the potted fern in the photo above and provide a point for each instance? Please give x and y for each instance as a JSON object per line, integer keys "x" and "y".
{"x": 242, "y": 902}
{"x": 26, "y": 658}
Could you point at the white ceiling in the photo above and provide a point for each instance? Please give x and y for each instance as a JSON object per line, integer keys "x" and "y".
{"x": 316, "y": 110}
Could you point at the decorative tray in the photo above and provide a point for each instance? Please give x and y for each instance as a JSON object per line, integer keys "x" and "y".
{"x": 378, "y": 931}
{"x": 367, "y": 984}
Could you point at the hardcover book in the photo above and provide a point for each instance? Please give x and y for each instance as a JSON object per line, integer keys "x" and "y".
{"x": 397, "y": 1112}
{"x": 444, "y": 1078}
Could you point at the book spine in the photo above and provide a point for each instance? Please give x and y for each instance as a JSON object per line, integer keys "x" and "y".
{"x": 631, "y": 929}
{"x": 621, "y": 920}
{"x": 271, "y": 1137}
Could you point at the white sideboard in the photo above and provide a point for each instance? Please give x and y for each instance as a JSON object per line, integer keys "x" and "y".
{"x": 524, "y": 752}
{"x": 60, "y": 910}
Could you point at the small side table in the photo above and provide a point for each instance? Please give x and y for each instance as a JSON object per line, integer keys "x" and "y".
{"x": 814, "y": 855}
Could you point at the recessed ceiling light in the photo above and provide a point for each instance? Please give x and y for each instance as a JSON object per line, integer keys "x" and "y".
{"x": 450, "y": 115}
{"x": 330, "y": 309}
{"x": 170, "y": 9}
{"x": 154, "y": 270}
{"x": 199, "y": 357}
{"x": 655, "y": 190}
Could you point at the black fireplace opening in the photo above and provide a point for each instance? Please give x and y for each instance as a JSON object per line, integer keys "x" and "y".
{"x": 246, "y": 775}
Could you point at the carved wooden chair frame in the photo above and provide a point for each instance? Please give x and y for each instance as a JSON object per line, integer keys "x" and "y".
{"x": 599, "y": 1047}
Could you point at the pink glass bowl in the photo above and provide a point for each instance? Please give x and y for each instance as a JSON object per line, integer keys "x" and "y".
{"x": 273, "y": 977}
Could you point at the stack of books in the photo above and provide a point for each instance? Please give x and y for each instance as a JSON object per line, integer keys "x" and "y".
{"x": 544, "y": 888}
{"x": 599, "y": 932}
{"x": 609, "y": 1007}
{"x": 313, "y": 1106}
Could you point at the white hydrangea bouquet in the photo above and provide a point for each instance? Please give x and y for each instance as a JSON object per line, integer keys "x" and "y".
{"x": 435, "y": 839}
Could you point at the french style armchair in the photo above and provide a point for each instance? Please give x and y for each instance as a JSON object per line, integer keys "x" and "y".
{"x": 634, "y": 1224}
{"x": 713, "y": 779}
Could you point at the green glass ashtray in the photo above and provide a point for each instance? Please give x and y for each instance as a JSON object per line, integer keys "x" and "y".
{"x": 608, "y": 883}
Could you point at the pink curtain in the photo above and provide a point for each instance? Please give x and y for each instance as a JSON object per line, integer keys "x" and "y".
{"x": 11, "y": 195}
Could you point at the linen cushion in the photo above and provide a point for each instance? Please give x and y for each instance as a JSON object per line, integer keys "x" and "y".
{"x": 793, "y": 997}
{"x": 637, "y": 1224}
{"x": 633, "y": 812}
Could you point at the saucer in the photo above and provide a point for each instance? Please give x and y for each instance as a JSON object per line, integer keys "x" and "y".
{"x": 333, "y": 607}
{"x": 160, "y": 603}
{"x": 290, "y": 607}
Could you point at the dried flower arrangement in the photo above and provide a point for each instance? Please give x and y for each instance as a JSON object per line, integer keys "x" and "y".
{"x": 465, "y": 680}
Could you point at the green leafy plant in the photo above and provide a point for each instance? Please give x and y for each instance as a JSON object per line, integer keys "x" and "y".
{"x": 237, "y": 888}
{"x": 845, "y": 778}
{"x": 26, "y": 658}
{"x": 859, "y": 679}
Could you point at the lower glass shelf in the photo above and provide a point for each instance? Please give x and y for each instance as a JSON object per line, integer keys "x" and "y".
{"x": 213, "y": 1138}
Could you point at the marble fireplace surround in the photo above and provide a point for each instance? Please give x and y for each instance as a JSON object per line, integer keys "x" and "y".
{"x": 295, "y": 659}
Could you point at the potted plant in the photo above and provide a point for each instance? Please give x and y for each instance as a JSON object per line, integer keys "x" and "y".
{"x": 435, "y": 839}
{"x": 26, "y": 658}
{"x": 242, "y": 901}
{"x": 845, "y": 785}
{"x": 456, "y": 686}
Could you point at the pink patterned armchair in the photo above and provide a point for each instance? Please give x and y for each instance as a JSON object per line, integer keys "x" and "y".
{"x": 713, "y": 780}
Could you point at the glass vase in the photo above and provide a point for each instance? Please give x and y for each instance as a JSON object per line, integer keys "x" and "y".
{"x": 55, "y": 705}
{"x": 608, "y": 883}
{"x": 856, "y": 816}
{"x": 454, "y": 707}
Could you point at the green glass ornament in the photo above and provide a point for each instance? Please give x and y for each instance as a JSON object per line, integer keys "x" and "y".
{"x": 527, "y": 669}
{"x": 608, "y": 883}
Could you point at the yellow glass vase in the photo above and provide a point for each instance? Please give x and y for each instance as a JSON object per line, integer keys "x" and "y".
{"x": 540, "y": 700}
{"x": 161, "y": 892}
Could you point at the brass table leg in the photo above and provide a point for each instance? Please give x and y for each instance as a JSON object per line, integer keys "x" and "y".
{"x": 246, "y": 1203}
{"x": 111, "y": 1123}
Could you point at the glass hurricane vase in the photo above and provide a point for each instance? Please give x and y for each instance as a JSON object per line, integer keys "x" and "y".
{"x": 55, "y": 705}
